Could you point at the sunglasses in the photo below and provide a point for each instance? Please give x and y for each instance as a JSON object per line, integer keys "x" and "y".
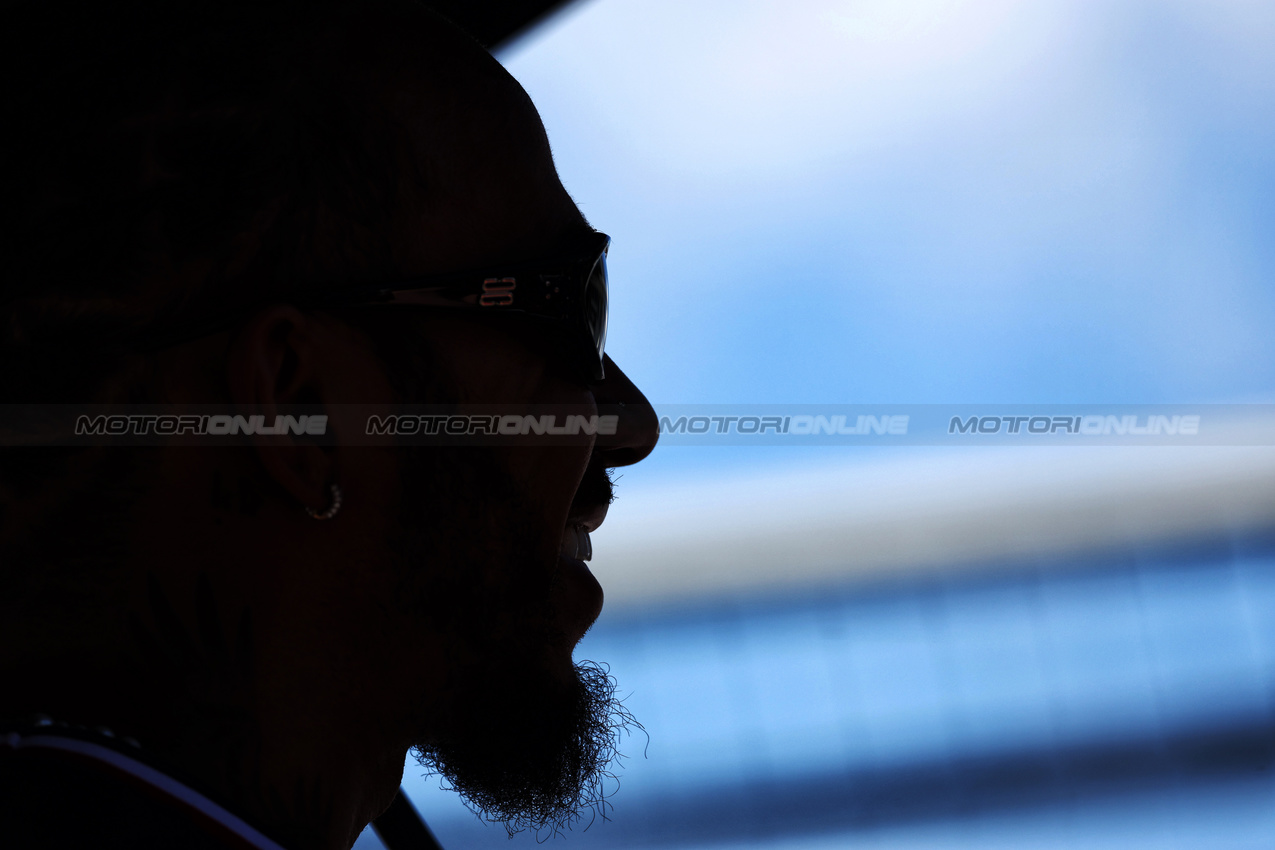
{"x": 568, "y": 293}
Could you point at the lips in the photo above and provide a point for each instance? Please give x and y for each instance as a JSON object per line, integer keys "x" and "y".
{"x": 581, "y": 595}
{"x": 579, "y": 599}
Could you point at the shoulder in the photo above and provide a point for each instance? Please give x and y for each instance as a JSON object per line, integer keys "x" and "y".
{"x": 65, "y": 789}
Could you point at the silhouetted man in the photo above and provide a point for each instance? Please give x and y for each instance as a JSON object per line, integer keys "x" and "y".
{"x": 209, "y": 645}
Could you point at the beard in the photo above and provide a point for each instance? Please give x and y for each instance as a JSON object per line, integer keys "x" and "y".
{"x": 526, "y": 736}
{"x": 530, "y": 755}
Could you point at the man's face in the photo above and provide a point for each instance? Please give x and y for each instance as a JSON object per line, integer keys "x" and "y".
{"x": 521, "y": 732}
{"x": 516, "y": 727}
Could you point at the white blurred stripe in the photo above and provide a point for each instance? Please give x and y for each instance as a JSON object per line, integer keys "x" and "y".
{"x": 924, "y": 511}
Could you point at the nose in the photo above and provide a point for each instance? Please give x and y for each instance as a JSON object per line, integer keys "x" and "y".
{"x": 637, "y": 430}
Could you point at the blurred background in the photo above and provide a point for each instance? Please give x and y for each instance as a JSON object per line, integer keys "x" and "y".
{"x": 932, "y": 201}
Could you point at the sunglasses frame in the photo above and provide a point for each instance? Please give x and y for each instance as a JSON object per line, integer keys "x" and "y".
{"x": 573, "y": 292}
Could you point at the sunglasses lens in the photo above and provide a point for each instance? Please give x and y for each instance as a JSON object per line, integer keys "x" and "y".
{"x": 595, "y": 308}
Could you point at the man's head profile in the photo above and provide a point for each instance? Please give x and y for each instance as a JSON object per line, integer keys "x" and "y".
{"x": 169, "y": 163}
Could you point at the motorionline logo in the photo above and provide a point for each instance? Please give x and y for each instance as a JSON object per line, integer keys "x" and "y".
{"x": 802, "y": 425}
{"x": 1091, "y": 426}
{"x": 213, "y": 425}
{"x": 508, "y": 425}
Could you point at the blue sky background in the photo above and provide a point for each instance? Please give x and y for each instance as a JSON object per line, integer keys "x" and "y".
{"x": 925, "y": 202}
{"x": 938, "y": 201}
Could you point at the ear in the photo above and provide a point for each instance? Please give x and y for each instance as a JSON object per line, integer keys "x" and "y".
{"x": 274, "y": 366}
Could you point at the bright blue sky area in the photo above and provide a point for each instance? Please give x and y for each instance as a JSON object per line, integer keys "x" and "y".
{"x": 937, "y": 201}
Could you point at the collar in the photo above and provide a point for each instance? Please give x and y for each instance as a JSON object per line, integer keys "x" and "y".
{"x": 122, "y": 756}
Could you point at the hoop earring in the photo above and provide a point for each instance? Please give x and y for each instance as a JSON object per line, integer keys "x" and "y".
{"x": 335, "y": 506}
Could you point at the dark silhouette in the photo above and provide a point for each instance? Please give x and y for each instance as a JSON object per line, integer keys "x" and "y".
{"x": 274, "y": 624}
